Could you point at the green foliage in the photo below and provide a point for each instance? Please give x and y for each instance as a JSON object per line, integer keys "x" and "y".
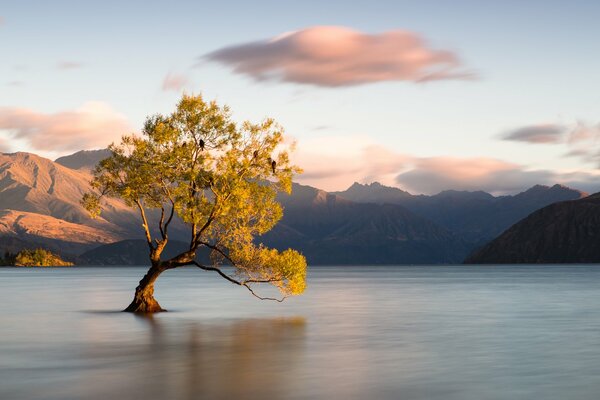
{"x": 218, "y": 177}
{"x": 39, "y": 258}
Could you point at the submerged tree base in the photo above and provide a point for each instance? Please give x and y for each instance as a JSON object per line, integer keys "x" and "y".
{"x": 145, "y": 306}
{"x": 144, "y": 301}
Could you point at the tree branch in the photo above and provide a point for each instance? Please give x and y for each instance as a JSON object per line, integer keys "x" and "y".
{"x": 160, "y": 223}
{"x": 239, "y": 283}
{"x": 145, "y": 224}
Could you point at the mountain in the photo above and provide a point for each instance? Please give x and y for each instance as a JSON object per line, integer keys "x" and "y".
{"x": 39, "y": 200}
{"x": 374, "y": 193}
{"x": 84, "y": 159}
{"x": 565, "y": 232}
{"x": 53, "y": 233}
{"x": 329, "y": 229}
{"x": 476, "y": 216}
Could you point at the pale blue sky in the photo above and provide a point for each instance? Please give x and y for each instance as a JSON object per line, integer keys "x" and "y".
{"x": 537, "y": 63}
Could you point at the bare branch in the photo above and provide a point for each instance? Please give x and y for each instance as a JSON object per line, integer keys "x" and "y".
{"x": 145, "y": 224}
{"x": 236, "y": 282}
{"x": 170, "y": 218}
{"x": 160, "y": 223}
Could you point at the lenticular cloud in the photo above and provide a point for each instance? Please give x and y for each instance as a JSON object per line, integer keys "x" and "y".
{"x": 334, "y": 56}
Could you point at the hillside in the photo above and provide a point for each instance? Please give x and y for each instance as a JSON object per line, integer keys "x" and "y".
{"x": 40, "y": 202}
{"x": 565, "y": 232}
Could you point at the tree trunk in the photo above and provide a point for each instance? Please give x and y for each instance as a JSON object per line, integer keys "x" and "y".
{"x": 144, "y": 301}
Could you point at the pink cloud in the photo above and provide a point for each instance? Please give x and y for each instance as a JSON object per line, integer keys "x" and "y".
{"x": 431, "y": 175}
{"x": 94, "y": 125}
{"x": 335, "y": 162}
{"x": 174, "y": 82}
{"x": 335, "y": 56}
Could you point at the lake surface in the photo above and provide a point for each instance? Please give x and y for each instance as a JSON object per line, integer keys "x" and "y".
{"x": 460, "y": 332}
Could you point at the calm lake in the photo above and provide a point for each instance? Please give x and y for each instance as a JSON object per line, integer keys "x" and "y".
{"x": 460, "y": 332}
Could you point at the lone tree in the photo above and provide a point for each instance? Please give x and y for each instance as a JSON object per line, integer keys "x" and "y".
{"x": 221, "y": 179}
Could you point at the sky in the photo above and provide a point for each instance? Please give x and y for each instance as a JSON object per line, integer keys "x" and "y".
{"x": 422, "y": 95}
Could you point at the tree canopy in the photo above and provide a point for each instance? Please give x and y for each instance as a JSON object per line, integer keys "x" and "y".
{"x": 218, "y": 177}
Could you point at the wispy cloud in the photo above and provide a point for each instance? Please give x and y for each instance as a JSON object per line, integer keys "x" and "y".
{"x": 581, "y": 139}
{"x": 66, "y": 65}
{"x": 334, "y": 56}
{"x": 174, "y": 82}
{"x": 544, "y": 133}
{"x": 94, "y": 125}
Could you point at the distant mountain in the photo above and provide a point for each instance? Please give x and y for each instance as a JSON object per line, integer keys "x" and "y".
{"x": 565, "y": 232}
{"x": 84, "y": 159}
{"x": 329, "y": 229}
{"x": 374, "y": 193}
{"x": 476, "y": 216}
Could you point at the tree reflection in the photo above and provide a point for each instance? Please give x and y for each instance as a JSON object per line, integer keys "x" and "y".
{"x": 250, "y": 359}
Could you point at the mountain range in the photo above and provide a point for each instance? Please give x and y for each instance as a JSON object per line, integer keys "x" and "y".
{"x": 365, "y": 224}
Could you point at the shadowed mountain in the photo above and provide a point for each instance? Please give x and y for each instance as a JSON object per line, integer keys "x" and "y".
{"x": 476, "y": 216}
{"x": 84, "y": 159}
{"x": 329, "y": 229}
{"x": 565, "y": 232}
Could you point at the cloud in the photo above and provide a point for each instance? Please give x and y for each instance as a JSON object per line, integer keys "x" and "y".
{"x": 581, "y": 139}
{"x": 334, "y": 56}
{"x": 335, "y": 162}
{"x": 546, "y": 133}
{"x": 65, "y": 65}
{"x": 15, "y": 83}
{"x": 433, "y": 174}
{"x": 94, "y": 125}
{"x": 174, "y": 82}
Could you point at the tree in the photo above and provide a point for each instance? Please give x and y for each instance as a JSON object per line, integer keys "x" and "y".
{"x": 39, "y": 258}
{"x": 220, "y": 179}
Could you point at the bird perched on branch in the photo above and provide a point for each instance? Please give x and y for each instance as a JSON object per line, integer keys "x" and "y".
{"x": 201, "y": 145}
{"x": 255, "y": 155}
{"x": 273, "y": 165}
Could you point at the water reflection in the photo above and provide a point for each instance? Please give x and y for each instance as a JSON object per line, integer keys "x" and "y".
{"x": 169, "y": 359}
{"x": 238, "y": 359}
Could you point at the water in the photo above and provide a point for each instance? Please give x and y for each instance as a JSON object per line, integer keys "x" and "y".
{"x": 463, "y": 332}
